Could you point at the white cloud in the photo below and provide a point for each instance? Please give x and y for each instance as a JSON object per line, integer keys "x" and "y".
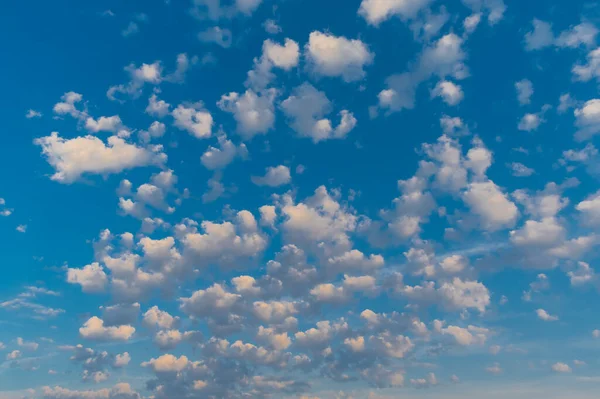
{"x": 253, "y": 112}
{"x": 494, "y": 8}
{"x": 443, "y": 58}
{"x": 194, "y": 119}
{"x": 307, "y": 107}
{"x": 31, "y": 114}
{"x": 530, "y": 122}
{"x": 274, "y": 55}
{"x": 94, "y": 329}
{"x": 213, "y": 9}
{"x": 275, "y": 176}
{"x": 450, "y": 92}
{"x": 471, "y": 22}
{"x": 583, "y": 34}
{"x": 272, "y": 27}
{"x": 92, "y": 278}
{"x": 218, "y": 158}
{"x": 541, "y": 36}
{"x": 155, "y": 317}
{"x": 139, "y": 76}
{"x": 519, "y": 170}
{"x": 453, "y": 125}
{"x": 543, "y": 315}
{"x": 156, "y": 107}
{"x": 590, "y": 209}
{"x": 590, "y": 70}
{"x": 73, "y": 158}
{"x": 67, "y": 105}
{"x": 491, "y": 205}
{"x": 588, "y": 120}
{"x": 561, "y": 368}
{"x": 377, "y": 11}
{"x": 104, "y": 124}
{"x": 524, "y": 91}
{"x": 217, "y": 35}
{"x": 333, "y": 56}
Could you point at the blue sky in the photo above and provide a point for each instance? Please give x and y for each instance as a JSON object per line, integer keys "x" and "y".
{"x": 300, "y": 199}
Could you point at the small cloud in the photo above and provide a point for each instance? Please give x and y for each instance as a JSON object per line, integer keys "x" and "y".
{"x": 32, "y": 113}
{"x": 131, "y": 29}
{"x": 22, "y": 228}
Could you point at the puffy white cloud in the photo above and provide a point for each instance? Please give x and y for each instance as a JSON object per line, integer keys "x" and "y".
{"x": 274, "y": 55}
{"x": 588, "y": 120}
{"x": 154, "y": 317}
{"x": 541, "y": 36}
{"x": 275, "y": 176}
{"x": 209, "y": 301}
{"x": 450, "y": 92}
{"x": 194, "y": 119}
{"x": 319, "y": 220}
{"x": 139, "y": 76}
{"x": 524, "y": 91}
{"x": 561, "y": 368}
{"x": 307, "y": 107}
{"x": 217, "y": 35}
{"x": 543, "y": 315}
{"x": 156, "y": 107}
{"x": 104, "y": 124}
{"x": 321, "y": 335}
{"x": 167, "y": 364}
{"x": 94, "y": 329}
{"x": 157, "y": 129}
{"x": 464, "y": 336}
{"x": 92, "y": 278}
{"x": 491, "y": 205}
{"x": 530, "y": 122}
{"x": 274, "y": 310}
{"x": 73, "y": 158}
{"x": 122, "y": 360}
{"x": 218, "y": 158}
{"x": 453, "y": 125}
{"x": 590, "y": 70}
{"x": 389, "y": 345}
{"x": 582, "y": 275}
{"x": 32, "y": 114}
{"x": 590, "y": 209}
{"x": 67, "y": 105}
{"x": 253, "y": 112}
{"x": 277, "y": 341}
{"x": 377, "y": 11}
{"x": 546, "y": 232}
{"x": 334, "y": 56}
{"x": 443, "y": 58}
{"x": 494, "y": 8}
{"x": 582, "y": 34}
